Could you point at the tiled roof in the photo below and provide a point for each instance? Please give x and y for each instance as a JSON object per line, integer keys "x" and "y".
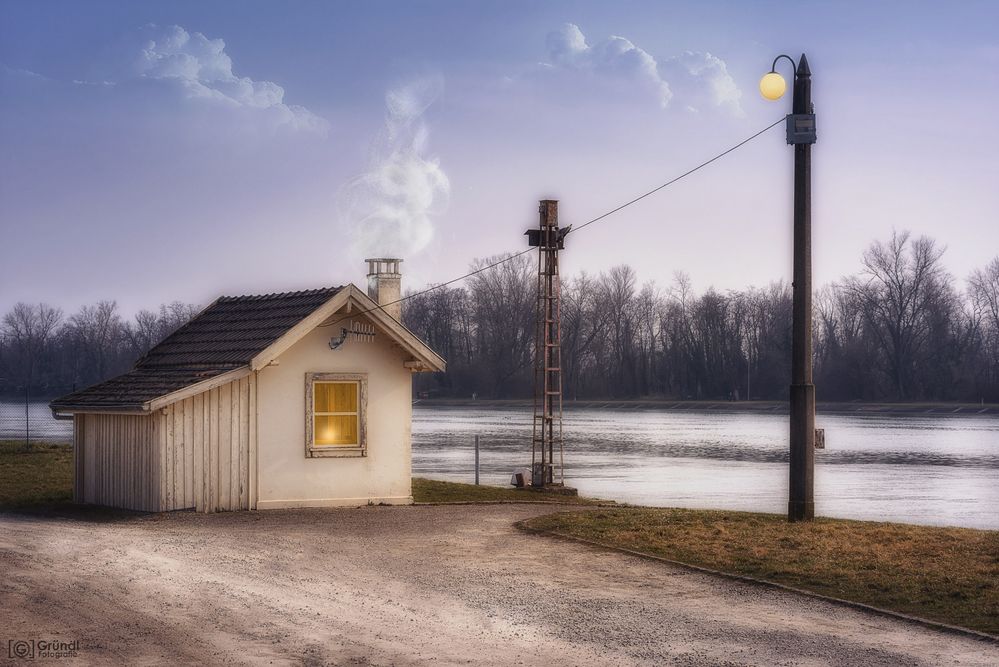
{"x": 234, "y": 329}
{"x": 225, "y": 335}
{"x": 131, "y": 390}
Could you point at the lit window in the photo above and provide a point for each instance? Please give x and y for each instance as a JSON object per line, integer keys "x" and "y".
{"x": 335, "y": 420}
{"x": 334, "y": 414}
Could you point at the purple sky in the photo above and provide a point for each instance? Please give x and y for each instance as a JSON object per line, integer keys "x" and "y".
{"x": 158, "y": 151}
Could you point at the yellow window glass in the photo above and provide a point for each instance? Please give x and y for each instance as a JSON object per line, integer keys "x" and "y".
{"x": 335, "y": 397}
{"x": 333, "y": 430}
{"x": 334, "y": 414}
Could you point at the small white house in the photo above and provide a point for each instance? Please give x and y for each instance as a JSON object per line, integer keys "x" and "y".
{"x": 301, "y": 399}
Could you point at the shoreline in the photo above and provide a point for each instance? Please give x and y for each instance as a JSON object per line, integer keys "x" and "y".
{"x": 774, "y": 407}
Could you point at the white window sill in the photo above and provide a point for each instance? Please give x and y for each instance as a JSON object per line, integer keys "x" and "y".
{"x": 336, "y": 452}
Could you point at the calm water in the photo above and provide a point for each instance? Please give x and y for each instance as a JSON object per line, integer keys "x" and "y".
{"x": 931, "y": 470}
{"x": 41, "y": 425}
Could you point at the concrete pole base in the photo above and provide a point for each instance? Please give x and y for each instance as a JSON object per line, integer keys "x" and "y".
{"x": 798, "y": 510}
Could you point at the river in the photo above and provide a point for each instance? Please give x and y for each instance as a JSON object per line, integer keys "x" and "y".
{"x": 936, "y": 470}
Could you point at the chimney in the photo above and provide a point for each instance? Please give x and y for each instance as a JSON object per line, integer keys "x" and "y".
{"x": 385, "y": 284}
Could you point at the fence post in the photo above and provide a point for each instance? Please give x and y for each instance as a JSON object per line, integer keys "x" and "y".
{"x": 476, "y": 460}
{"x": 27, "y": 418}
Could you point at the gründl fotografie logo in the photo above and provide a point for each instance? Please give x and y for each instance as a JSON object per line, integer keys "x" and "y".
{"x": 31, "y": 649}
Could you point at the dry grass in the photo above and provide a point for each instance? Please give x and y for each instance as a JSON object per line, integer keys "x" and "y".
{"x": 433, "y": 491}
{"x": 36, "y": 476}
{"x": 42, "y": 476}
{"x": 949, "y": 575}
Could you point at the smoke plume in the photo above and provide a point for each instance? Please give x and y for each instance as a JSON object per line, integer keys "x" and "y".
{"x": 390, "y": 207}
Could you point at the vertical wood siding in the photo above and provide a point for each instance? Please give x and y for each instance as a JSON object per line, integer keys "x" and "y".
{"x": 205, "y": 442}
{"x": 115, "y": 461}
{"x": 78, "y": 459}
{"x": 193, "y": 454}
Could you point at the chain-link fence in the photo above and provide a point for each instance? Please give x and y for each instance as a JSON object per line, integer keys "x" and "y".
{"x": 26, "y": 418}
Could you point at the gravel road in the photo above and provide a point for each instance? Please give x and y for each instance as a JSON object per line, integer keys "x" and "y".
{"x": 447, "y": 585}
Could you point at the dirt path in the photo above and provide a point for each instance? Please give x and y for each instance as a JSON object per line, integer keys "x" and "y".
{"x": 408, "y": 586}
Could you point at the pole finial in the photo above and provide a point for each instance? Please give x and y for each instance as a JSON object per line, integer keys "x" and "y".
{"x": 803, "y": 67}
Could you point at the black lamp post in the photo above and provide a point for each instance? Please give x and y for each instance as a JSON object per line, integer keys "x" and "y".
{"x": 801, "y": 135}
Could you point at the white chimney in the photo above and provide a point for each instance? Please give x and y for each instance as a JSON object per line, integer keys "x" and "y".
{"x": 385, "y": 284}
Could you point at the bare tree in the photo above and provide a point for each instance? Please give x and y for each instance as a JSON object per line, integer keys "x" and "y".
{"x": 901, "y": 280}
{"x": 28, "y": 331}
{"x": 502, "y": 302}
{"x": 173, "y": 316}
{"x": 983, "y": 286}
{"x": 585, "y": 322}
{"x": 143, "y": 333}
{"x": 983, "y": 291}
{"x": 150, "y": 328}
{"x": 617, "y": 292}
{"x": 98, "y": 333}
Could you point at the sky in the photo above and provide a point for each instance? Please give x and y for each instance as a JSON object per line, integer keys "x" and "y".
{"x": 161, "y": 151}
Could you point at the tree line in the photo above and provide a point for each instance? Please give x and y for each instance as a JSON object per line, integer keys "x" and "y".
{"x": 903, "y": 328}
{"x": 44, "y": 352}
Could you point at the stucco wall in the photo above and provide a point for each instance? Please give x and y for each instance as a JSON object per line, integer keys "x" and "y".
{"x": 287, "y": 477}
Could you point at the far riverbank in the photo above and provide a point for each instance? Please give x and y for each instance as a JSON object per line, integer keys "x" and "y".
{"x": 773, "y": 407}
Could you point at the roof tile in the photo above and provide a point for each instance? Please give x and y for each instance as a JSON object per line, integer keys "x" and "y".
{"x": 225, "y": 335}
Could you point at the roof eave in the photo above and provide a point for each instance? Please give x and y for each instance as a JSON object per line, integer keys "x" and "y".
{"x": 412, "y": 342}
{"x": 66, "y": 411}
{"x": 197, "y": 388}
{"x": 422, "y": 367}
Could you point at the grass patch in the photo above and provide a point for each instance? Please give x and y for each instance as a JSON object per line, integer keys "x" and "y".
{"x": 950, "y": 575}
{"x": 35, "y": 476}
{"x": 433, "y": 491}
{"x": 43, "y": 476}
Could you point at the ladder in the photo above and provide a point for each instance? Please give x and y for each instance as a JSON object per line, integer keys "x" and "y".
{"x": 546, "y": 441}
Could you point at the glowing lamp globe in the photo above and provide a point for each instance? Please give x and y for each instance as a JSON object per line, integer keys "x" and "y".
{"x": 772, "y": 86}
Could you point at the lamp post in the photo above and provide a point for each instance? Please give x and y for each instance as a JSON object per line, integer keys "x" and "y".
{"x": 801, "y": 135}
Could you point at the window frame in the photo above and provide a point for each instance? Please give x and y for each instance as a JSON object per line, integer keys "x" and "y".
{"x": 336, "y": 451}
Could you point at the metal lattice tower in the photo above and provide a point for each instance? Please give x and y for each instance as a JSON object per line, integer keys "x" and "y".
{"x": 546, "y": 443}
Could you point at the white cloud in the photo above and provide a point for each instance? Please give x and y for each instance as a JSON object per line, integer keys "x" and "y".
{"x": 18, "y": 73}
{"x": 201, "y": 70}
{"x": 702, "y": 80}
{"x": 612, "y": 57}
{"x": 390, "y": 207}
{"x": 694, "y": 79}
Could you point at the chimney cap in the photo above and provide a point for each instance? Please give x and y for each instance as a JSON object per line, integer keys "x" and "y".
{"x": 383, "y": 265}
